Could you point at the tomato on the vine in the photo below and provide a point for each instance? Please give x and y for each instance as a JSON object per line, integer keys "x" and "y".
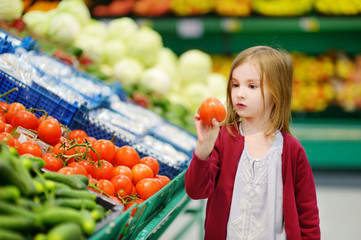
{"x": 12, "y": 109}
{"x": 152, "y": 163}
{"x": 77, "y": 135}
{"x": 126, "y": 155}
{"x": 105, "y": 149}
{"x": 129, "y": 205}
{"x": 49, "y": 131}
{"x": 88, "y": 165}
{"x": 67, "y": 171}
{"x": 51, "y": 162}
{"x": 147, "y": 187}
{"x": 30, "y": 147}
{"x": 105, "y": 186}
{"x": 61, "y": 148}
{"x": 103, "y": 170}
{"x": 122, "y": 169}
{"x": 78, "y": 168}
{"x": 25, "y": 119}
{"x": 3, "y": 108}
{"x": 8, "y": 128}
{"x": 122, "y": 184}
{"x": 212, "y": 108}
{"x": 141, "y": 171}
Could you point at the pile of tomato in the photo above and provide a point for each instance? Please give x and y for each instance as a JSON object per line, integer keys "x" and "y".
{"x": 116, "y": 172}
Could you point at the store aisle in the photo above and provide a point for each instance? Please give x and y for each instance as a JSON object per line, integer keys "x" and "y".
{"x": 339, "y": 200}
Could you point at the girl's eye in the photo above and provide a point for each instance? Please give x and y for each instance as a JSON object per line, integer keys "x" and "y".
{"x": 253, "y": 86}
{"x": 234, "y": 85}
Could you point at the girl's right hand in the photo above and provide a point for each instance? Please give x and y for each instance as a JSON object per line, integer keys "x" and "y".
{"x": 206, "y": 137}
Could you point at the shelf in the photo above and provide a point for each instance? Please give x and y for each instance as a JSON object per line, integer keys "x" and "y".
{"x": 312, "y": 35}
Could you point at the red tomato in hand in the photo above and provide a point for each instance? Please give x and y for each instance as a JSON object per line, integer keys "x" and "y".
{"x": 122, "y": 184}
{"x": 49, "y": 131}
{"x": 78, "y": 135}
{"x": 141, "y": 171}
{"x": 127, "y": 156}
{"x": 147, "y": 187}
{"x": 152, "y": 163}
{"x": 52, "y": 163}
{"x": 212, "y": 108}
{"x": 25, "y": 119}
{"x": 30, "y": 147}
{"x": 12, "y": 109}
{"x": 105, "y": 149}
{"x": 103, "y": 170}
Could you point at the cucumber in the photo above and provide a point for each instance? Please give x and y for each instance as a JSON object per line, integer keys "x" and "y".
{"x": 16, "y": 223}
{"x": 33, "y": 162}
{"x": 12, "y": 209}
{"x": 75, "y": 203}
{"x": 82, "y": 178}
{"x": 12, "y": 177}
{"x": 98, "y": 213}
{"x": 56, "y": 215}
{"x": 72, "y": 181}
{"x": 10, "y": 235}
{"x": 25, "y": 203}
{"x": 9, "y": 193}
{"x": 66, "y": 231}
{"x": 73, "y": 193}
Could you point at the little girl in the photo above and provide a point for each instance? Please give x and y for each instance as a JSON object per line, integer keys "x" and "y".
{"x": 255, "y": 174}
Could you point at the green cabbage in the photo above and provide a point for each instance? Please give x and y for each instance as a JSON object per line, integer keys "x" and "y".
{"x": 114, "y": 50}
{"x": 194, "y": 66}
{"x": 63, "y": 28}
{"x": 92, "y": 46}
{"x": 144, "y": 45}
{"x": 11, "y": 9}
{"x": 156, "y": 80}
{"x": 127, "y": 71}
{"x": 95, "y": 28}
{"x": 122, "y": 28}
{"x": 217, "y": 85}
{"x": 167, "y": 60}
{"x": 77, "y": 8}
{"x": 196, "y": 93}
{"x": 37, "y": 22}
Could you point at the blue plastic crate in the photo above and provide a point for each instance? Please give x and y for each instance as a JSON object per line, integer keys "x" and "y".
{"x": 39, "y": 98}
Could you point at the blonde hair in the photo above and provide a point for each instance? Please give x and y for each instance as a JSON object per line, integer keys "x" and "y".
{"x": 276, "y": 70}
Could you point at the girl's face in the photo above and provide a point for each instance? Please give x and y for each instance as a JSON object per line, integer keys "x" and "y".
{"x": 246, "y": 92}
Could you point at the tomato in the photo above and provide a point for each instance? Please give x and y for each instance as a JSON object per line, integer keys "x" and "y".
{"x": 165, "y": 180}
{"x": 147, "y": 187}
{"x": 106, "y": 186}
{"x": 123, "y": 185}
{"x": 105, "y": 149}
{"x": 67, "y": 171}
{"x": 134, "y": 191}
{"x": 3, "y": 108}
{"x": 103, "y": 170}
{"x": 82, "y": 150}
{"x": 12, "y": 109}
{"x": 123, "y": 170}
{"x": 42, "y": 118}
{"x": 2, "y": 117}
{"x": 2, "y": 126}
{"x": 51, "y": 162}
{"x": 62, "y": 149}
{"x": 25, "y": 119}
{"x": 115, "y": 199}
{"x": 212, "y": 108}
{"x": 8, "y": 128}
{"x": 127, "y": 156}
{"x": 7, "y": 138}
{"x": 49, "y": 131}
{"x": 129, "y": 205}
{"x": 90, "y": 140}
{"x": 77, "y": 135}
{"x": 78, "y": 168}
{"x": 89, "y": 166}
{"x": 30, "y": 147}
{"x": 141, "y": 171}
{"x": 152, "y": 163}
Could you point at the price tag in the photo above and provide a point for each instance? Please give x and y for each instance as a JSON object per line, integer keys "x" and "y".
{"x": 231, "y": 25}
{"x": 190, "y": 28}
{"x": 309, "y": 24}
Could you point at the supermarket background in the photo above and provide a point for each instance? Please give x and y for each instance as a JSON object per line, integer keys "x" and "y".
{"x": 168, "y": 56}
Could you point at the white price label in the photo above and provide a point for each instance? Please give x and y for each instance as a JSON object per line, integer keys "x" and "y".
{"x": 190, "y": 28}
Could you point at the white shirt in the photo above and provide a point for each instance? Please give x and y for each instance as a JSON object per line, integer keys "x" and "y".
{"x": 257, "y": 201}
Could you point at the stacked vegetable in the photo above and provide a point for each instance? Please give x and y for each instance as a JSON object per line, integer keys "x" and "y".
{"x": 43, "y": 205}
{"x": 116, "y": 172}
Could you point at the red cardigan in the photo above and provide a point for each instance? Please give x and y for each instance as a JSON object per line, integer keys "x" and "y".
{"x": 214, "y": 179}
